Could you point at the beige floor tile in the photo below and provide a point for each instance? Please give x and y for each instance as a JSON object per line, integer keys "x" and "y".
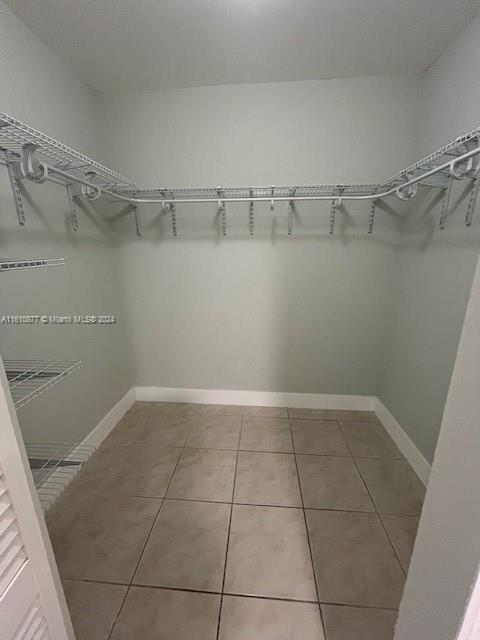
{"x": 161, "y": 614}
{"x": 268, "y": 554}
{"x": 354, "y": 623}
{"x": 332, "y": 483}
{"x": 402, "y": 531}
{"x": 266, "y": 412}
{"x": 266, "y": 434}
{"x": 187, "y": 547}
{"x": 369, "y": 440}
{"x": 354, "y": 561}
{"x": 148, "y": 434}
{"x": 267, "y": 478}
{"x": 322, "y": 437}
{"x": 216, "y": 432}
{"x": 256, "y": 619}
{"x": 204, "y": 474}
{"x": 393, "y": 485}
{"x": 106, "y": 544}
{"x": 331, "y": 414}
{"x": 67, "y": 511}
{"x": 93, "y": 607}
{"x": 129, "y": 470}
{"x": 216, "y": 410}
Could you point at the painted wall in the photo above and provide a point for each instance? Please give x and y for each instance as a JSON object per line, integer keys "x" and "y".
{"x": 434, "y": 268}
{"x": 446, "y": 559}
{"x": 305, "y": 313}
{"x": 36, "y": 86}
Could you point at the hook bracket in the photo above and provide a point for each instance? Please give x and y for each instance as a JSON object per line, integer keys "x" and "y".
{"x": 30, "y": 167}
{"x": 406, "y": 193}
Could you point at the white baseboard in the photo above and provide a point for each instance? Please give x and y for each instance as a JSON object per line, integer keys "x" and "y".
{"x": 255, "y": 398}
{"x": 416, "y": 459}
{"x": 59, "y": 480}
{"x": 110, "y": 420}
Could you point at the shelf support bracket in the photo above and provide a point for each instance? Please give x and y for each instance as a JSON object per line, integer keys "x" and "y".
{"x": 137, "y": 222}
{"x": 222, "y": 210}
{"x": 272, "y": 201}
{"x": 17, "y": 194}
{"x": 446, "y": 203}
{"x": 371, "y": 217}
{"x": 291, "y": 211}
{"x": 71, "y": 193}
{"x": 472, "y": 200}
{"x": 251, "y": 215}
{"x": 174, "y": 219}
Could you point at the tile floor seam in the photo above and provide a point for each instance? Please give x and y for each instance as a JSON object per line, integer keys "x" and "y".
{"x": 148, "y": 538}
{"x": 118, "y": 613}
{"x": 156, "y": 518}
{"x": 377, "y": 512}
{"x": 232, "y": 594}
{"x": 307, "y": 532}
{"x": 229, "y": 526}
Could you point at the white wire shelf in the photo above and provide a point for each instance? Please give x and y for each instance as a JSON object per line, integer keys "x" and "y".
{"x": 28, "y": 379}
{"x": 247, "y": 193}
{"x": 14, "y": 134}
{"x": 30, "y": 154}
{"x": 54, "y": 466}
{"x": 7, "y": 264}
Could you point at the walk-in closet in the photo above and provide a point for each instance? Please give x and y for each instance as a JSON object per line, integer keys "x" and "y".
{"x": 239, "y": 310}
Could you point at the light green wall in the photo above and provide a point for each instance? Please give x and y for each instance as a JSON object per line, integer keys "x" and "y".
{"x": 300, "y": 314}
{"x": 36, "y": 87}
{"x": 434, "y": 268}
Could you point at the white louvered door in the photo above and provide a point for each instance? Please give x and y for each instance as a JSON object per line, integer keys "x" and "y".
{"x": 32, "y": 605}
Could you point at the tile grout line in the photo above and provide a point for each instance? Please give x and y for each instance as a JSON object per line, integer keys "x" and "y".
{"x": 306, "y": 528}
{"x": 376, "y": 509}
{"x": 146, "y": 542}
{"x": 228, "y": 593}
{"x": 229, "y": 525}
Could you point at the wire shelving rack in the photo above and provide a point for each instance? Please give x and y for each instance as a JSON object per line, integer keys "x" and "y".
{"x": 28, "y": 379}
{"x": 7, "y": 264}
{"x": 54, "y": 466}
{"x": 31, "y": 154}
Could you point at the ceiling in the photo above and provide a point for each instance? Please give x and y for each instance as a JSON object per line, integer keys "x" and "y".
{"x": 153, "y": 44}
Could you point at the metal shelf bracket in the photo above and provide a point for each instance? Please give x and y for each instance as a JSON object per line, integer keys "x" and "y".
{"x": 16, "y": 191}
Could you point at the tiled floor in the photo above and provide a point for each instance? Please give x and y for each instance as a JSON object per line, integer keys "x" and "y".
{"x": 206, "y": 522}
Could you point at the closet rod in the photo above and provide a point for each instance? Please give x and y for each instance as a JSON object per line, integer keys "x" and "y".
{"x": 402, "y": 190}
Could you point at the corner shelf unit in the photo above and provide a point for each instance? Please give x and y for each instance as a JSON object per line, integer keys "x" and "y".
{"x": 7, "y": 264}
{"x": 28, "y": 379}
{"x": 30, "y": 154}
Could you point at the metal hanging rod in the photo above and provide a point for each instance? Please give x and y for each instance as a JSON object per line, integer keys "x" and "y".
{"x": 27, "y": 153}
